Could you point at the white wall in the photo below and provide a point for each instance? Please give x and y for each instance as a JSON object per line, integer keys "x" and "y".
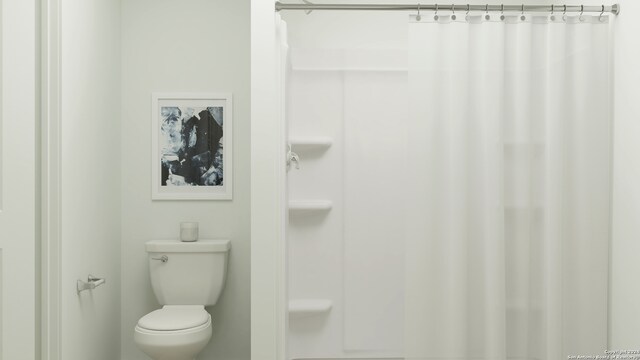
{"x": 625, "y": 267}
{"x": 351, "y": 255}
{"x": 90, "y": 156}
{"x": 268, "y": 266}
{"x": 184, "y": 46}
{"x": 19, "y": 183}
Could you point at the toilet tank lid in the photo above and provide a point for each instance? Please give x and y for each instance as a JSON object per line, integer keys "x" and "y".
{"x": 183, "y": 246}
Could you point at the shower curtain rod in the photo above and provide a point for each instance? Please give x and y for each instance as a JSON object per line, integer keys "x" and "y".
{"x": 308, "y": 6}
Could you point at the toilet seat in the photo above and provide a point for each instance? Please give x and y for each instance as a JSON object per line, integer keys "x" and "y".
{"x": 183, "y": 344}
{"x": 172, "y": 318}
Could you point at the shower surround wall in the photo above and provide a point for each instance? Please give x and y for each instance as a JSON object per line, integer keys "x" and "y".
{"x": 349, "y": 254}
{"x": 348, "y": 87}
{"x": 184, "y": 46}
{"x": 371, "y": 30}
{"x": 336, "y": 30}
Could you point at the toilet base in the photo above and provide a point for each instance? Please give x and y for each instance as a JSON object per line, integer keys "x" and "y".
{"x": 173, "y": 345}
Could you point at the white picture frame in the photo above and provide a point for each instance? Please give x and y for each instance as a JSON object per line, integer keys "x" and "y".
{"x": 192, "y": 133}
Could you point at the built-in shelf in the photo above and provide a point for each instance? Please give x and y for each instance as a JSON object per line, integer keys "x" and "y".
{"x": 310, "y": 205}
{"x": 311, "y": 143}
{"x": 309, "y": 307}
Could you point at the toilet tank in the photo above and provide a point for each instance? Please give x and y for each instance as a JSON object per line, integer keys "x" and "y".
{"x": 194, "y": 273}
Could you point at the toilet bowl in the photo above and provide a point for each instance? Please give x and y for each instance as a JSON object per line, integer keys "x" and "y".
{"x": 182, "y": 327}
{"x": 174, "y": 332}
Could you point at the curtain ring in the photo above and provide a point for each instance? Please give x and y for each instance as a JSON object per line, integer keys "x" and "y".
{"x": 581, "y": 18}
{"x": 453, "y": 12}
{"x": 418, "y": 17}
{"x": 502, "y": 12}
{"x": 552, "y": 17}
{"x": 522, "y": 17}
{"x": 466, "y": 16}
{"x": 486, "y": 10}
{"x": 602, "y": 13}
{"x": 564, "y": 13}
{"x": 435, "y": 16}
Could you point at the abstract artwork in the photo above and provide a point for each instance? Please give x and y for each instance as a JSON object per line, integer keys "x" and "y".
{"x": 191, "y": 146}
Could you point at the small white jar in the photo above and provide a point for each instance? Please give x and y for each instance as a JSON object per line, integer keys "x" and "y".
{"x": 189, "y": 231}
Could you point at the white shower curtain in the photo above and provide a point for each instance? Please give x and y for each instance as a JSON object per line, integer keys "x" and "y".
{"x": 509, "y": 189}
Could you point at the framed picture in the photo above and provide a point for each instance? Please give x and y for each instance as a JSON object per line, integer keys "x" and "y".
{"x": 191, "y": 146}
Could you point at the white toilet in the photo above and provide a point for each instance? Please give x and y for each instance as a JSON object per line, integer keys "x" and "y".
{"x": 186, "y": 277}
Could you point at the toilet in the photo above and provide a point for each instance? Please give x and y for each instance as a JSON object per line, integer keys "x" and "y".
{"x": 185, "y": 277}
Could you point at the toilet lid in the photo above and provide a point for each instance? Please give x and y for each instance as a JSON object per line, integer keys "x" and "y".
{"x": 175, "y": 317}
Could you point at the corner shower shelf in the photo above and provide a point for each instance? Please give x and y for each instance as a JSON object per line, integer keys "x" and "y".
{"x": 310, "y": 205}
{"x": 311, "y": 143}
{"x": 309, "y": 307}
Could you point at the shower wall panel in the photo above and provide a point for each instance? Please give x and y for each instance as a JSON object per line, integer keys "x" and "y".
{"x": 315, "y": 237}
{"x": 350, "y": 255}
{"x": 376, "y": 160}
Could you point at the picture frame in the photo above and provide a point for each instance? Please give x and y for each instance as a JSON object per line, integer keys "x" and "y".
{"x": 192, "y": 146}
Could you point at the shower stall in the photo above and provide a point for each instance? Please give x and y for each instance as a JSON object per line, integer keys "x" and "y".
{"x": 448, "y": 179}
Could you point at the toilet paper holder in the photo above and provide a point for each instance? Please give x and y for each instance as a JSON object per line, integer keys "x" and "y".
{"x": 91, "y": 283}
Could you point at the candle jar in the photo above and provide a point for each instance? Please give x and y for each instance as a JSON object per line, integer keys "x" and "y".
{"x": 188, "y": 231}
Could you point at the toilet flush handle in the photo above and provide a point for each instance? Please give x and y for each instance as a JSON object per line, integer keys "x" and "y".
{"x": 163, "y": 258}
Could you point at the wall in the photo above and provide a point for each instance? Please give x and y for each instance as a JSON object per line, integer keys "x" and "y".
{"x": 349, "y": 255}
{"x": 625, "y": 267}
{"x": 90, "y": 175}
{"x": 19, "y": 183}
{"x": 184, "y": 46}
{"x": 268, "y": 265}
{"x": 342, "y": 63}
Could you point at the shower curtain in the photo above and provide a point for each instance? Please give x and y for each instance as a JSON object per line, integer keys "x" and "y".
{"x": 509, "y": 188}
